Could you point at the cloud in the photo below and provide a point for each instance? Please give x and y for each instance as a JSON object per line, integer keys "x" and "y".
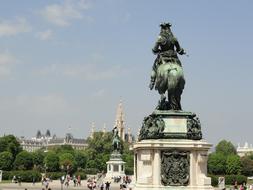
{"x": 90, "y": 72}
{"x": 6, "y": 62}
{"x": 14, "y": 27}
{"x": 62, "y": 14}
{"x": 45, "y": 35}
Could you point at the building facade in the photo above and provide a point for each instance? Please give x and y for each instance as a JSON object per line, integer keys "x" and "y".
{"x": 243, "y": 150}
{"x": 46, "y": 141}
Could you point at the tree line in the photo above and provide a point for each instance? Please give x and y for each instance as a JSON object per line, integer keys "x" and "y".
{"x": 62, "y": 158}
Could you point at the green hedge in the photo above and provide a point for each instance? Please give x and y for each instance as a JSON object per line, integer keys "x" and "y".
{"x": 214, "y": 180}
{"x": 6, "y": 175}
{"x": 129, "y": 171}
{"x": 82, "y": 175}
{"x": 58, "y": 175}
{"x": 230, "y": 179}
{"x": 91, "y": 171}
{"x": 55, "y": 175}
{"x": 26, "y": 176}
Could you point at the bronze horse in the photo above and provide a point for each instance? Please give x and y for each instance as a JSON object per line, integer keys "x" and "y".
{"x": 170, "y": 79}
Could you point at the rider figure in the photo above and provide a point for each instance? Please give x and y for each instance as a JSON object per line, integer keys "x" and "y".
{"x": 116, "y": 140}
{"x": 166, "y": 48}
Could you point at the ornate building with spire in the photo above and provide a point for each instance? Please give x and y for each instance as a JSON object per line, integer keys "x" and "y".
{"x": 120, "y": 121}
{"x": 120, "y": 124}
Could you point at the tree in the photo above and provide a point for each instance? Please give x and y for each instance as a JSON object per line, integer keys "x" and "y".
{"x": 128, "y": 157}
{"x": 67, "y": 161}
{"x": 38, "y": 158}
{"x": 99, "y": 150}
{"x": 226, "y": 148}
{"x": 247, "y": 166}
{"x": 23, "y": 161}
{"x": 216, "y": 164}
{"x": 101, "y": 142}
{"x": 64, "y": 149}
{"x": 80, "y": 159}
{"x": 51, "y": 161}
{"x": 233, "y": 165}
{"x": 9, "y": 143}
{"x": 6, "y": 160}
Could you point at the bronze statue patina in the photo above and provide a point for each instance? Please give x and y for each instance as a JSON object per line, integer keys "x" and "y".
{"x": 168, "y": 77}
{"x": 116, "y": 140}
{"x": 167, "y": 73}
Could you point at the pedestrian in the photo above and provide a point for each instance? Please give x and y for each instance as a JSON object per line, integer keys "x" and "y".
{"x": 33, "y": 180}
{"x": 107, "y": 185}
{"x": 19, "y": 180}
{"x": 78, "y": 180}
{"x": 235, "y": 185}
{"x": 74, "y": 180}
{"x": 102, "y": 186}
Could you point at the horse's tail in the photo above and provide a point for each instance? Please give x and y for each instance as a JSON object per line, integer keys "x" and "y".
{"x": 172, "y": 79}
{"x": 168, "y": 78}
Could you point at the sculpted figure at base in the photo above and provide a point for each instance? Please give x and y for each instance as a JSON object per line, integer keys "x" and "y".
{"x": 167, "y": 72}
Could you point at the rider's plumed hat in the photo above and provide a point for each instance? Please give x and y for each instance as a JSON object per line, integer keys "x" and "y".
{"x": 165, "y": 25}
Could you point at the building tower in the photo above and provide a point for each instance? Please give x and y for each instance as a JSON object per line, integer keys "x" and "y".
{"x": 92, "y": 130}
{"x": 119, "y": 122}
{"x": 104, "y": 128}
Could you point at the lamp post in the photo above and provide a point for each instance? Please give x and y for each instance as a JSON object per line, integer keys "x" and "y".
{"x": 62, "y": 177}
{"x": 45, "y": 167}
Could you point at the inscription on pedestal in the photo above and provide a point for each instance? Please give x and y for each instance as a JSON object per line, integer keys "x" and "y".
{"x": 175, "y": 168}
{"x": 175, "y": 125}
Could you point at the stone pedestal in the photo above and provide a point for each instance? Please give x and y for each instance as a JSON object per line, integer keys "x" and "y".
{"x": 115, "y": 166}
{"x": 170, "y": 153}
{"x": 149, "y": 155}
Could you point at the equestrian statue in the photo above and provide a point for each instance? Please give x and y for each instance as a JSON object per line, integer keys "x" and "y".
{"x": 116, "y": 140}
{"x": 167, "y": 72}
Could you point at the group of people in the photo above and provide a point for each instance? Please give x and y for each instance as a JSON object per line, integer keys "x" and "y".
{"x": 242, "y": 186}
{"x": 16, "y": 179}
{"x": 92, "y": 184}
{"x": 105, "y": 185}
{"x": 126, "y": 181}
{"x": 67, "y": 179}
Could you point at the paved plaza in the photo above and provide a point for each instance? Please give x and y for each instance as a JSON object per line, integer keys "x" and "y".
{"x": 55, "y": 185}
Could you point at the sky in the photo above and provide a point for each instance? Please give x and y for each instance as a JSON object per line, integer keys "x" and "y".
{"x": 67, "y": 63}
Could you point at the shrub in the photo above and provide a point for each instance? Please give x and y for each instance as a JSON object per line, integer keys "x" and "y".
{"x": 230, "y": 179}
{"x": 91, "y": 171}
{"x": 129, "y": 171}
{"x": 214, "y": 180}
{"x": 55, "y": 175}
{"x": 82, "y": 175}
{"x": 26, "y": 176}
{"x": 6, "y": 175}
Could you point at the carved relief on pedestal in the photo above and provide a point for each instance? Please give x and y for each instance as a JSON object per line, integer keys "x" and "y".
{"x": 175, "y": 168}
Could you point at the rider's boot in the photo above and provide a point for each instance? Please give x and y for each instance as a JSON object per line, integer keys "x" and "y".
{"x": 152, "y": 83}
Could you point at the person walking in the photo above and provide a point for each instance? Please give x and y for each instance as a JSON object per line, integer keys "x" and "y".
{"x": 107, "y": 185}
